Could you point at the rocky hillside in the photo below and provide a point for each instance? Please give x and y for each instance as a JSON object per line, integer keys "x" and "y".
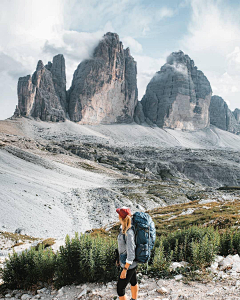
{"x": 77, "y": 171}
{"x": 222, "y": 117}
{"x": 178, "y": 96}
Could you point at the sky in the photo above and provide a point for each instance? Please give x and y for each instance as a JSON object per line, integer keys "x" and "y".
{"x": 207, "y": 30}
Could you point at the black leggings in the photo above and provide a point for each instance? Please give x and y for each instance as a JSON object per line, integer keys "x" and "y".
{"x": 122, "y": 283}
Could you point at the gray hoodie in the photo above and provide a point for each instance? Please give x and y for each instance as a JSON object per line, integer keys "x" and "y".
{"x": 126, "y": 248}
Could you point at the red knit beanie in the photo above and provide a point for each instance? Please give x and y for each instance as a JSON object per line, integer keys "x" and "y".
{"x": 123, "y": 212}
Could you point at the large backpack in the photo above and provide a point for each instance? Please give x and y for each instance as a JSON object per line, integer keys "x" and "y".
{"x": 145, "y": 236}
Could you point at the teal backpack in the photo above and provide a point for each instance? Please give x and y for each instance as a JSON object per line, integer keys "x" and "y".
{"x": 145, "y": 236}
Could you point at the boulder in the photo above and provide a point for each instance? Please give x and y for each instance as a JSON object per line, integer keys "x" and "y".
{"x": 178, "y": 96}
{"x": 25, "y": 297}
{"x": 226, "y": 263}
{"x": 218, "y": 258}
{"x": 178, "y": 277}
{"x": 175, "y": 265}
{"x": 236, "y": 263}
{"x": 162, "y": 291}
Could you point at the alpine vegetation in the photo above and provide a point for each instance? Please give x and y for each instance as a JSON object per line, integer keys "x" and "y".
{"x": 91, "y": 258}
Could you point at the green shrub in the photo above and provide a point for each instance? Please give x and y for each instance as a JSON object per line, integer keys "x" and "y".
{"x": 230, "y": 242}
{"x": 161, "y": 260}
{"x": 29, "y": 267}
{"x": 203, "y": 253}
{"x": 196, "y": 245}
{"x": 86, "y": 259}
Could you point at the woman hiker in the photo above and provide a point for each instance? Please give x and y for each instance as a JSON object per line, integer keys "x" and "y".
{"x": 126, "y": 249}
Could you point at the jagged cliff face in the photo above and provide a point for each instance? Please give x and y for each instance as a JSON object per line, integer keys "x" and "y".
{"x": 43, "y": 95}
{"x": 104, "y": 88}
{"x": 58, "y": 70}
{"x": 178, "y": 96}
{"x": 222, "y": 117}
{"x": 103, "y": 91}
{"x": 26, "y": 95}
{"x": 237, "y": 115}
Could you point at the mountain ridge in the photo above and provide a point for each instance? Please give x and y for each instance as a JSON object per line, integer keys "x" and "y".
{"x": 104, "y": 91}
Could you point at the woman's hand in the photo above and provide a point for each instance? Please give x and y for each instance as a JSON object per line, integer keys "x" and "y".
{"x": 123, "y": 274}
{"x": 117, "y": 263}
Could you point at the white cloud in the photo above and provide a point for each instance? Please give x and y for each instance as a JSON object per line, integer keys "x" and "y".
{"x": 133, "y": 44}
{"x": 180, "y": 68}
{"x": 76, "y": 46}
{"x": 146, "y": 68}
{"x": 234, "y": 56}
{"x": 11, "y": 66}
{"x": 164, "y": 12}
{"x": 227, "y": 86}
{"x": 233, "y": 62}
{"x": 212, "y": 42}
{"x": 8, "y": 89}
{"x": 134, "y": 17}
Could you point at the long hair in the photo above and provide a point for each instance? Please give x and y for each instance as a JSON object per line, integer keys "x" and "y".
{"x": 126, "y": 223}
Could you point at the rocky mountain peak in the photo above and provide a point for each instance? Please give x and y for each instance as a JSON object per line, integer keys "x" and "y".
{"x": 43, "y": 94}
{"x": 104, "y": 88}
{"x": 237, "y": 114}
{"x": 127, "y": 52}
{"x": 104, "y": 91}
{"x": 178, "y": 96}
{"x": 179, "y": 58}
{"x": 58, "y": 71}
{"x": 40, "y": 65}
{"x": 111, "y": 34}
{"x": 108, "y": 46}
{"x": 222, "y": 117}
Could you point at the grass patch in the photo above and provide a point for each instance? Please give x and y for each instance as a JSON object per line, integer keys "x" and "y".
{"x": 45, "y": 243}
{"x": 87, "y": 166}
{"x": 17, "y": 236}
{"x": 17, "y": 244}
{"x": 213, "y": 214}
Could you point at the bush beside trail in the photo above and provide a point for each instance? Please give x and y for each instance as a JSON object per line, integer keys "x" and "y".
{"x": 86, "y": 258}
{"x": 29, "y": 267}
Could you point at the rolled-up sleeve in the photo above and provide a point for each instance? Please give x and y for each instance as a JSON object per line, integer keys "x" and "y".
{"x": 130, "y": 241}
